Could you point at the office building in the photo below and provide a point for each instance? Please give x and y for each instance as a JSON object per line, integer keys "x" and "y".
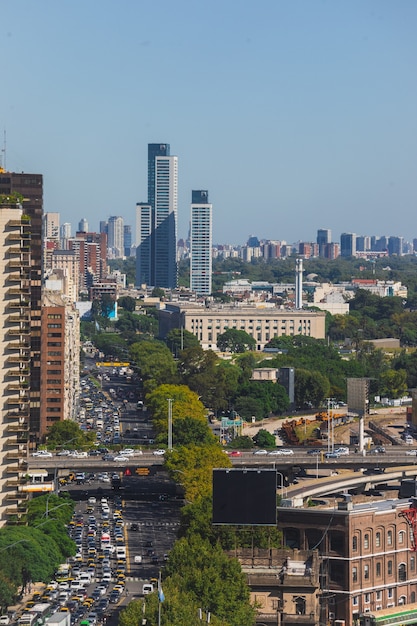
{"x": 201, "y": 243}
{"x": 127, "y": 239}
{"x": 83, "y": 225}
{"x": 51, "y": 226}
{"x": 324, "y": 237}
{"x": 347, "y": 244}
{"x": 157, "y": 241}
{"x": 64, "y": 235}
{"x": 263, "y": 324}
{"x": 115, "y": 236}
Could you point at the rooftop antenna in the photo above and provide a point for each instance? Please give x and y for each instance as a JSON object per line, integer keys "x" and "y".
{"x": 3, "y": 155}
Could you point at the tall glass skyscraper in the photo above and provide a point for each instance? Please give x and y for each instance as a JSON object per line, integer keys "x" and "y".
{"x": 201, "y": 243}
{"x": 156, "y": 221}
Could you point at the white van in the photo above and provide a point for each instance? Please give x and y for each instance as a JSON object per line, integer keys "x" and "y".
{"x": 121, "y": 552}
{"x": 147, "y": 588}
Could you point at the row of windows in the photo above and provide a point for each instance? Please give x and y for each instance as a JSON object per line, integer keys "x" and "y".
{"x": 55, "y": 325}
{"x": 402, "y": 570}
{"x": 378, "y": 539}
{"x": 54, "y": 316}
{"x": 390, "y": 595}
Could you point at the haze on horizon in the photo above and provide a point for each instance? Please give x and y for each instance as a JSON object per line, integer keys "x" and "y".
{"x": 294, "y": 114}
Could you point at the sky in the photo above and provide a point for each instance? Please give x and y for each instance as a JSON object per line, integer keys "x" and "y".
{"x": 294, "y": 114}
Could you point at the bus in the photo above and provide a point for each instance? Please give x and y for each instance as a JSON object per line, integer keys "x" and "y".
{"x": 395, "y": 616}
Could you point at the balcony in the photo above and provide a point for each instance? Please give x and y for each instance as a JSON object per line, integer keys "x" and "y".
{"x": 16, "y": 455}
{"x": 18, "y": 291}
{"x": 18, "y": 400}
{"x": 19, "y": 304}
{"x": 18, "y": 346}
{"x": 18, "y": 428}
{"x": 16, "y": 319}
{"x": 18, "y": 331}
{"x": 17, "y": 496}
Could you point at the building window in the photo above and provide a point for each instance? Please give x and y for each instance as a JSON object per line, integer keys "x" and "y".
{"x": 355, "y": 601}
{"x": 402, "y": 572}
{"x": 354, "y": 574}
{"x": 378, "y": 595}
{"x": 354, "y": 543}
{"x": 412, "y": 563}
{"x": 367, "y": 598}
{"x": 378, "y": 569}
{"x": 366, "y": 572}
{"x": 389, "y": 538}
{"x": 390, "y": 593}
{"x": 402, "y": 600}
{"x": 378, "y": 540}
{"x": 300, "y": 605}
{"x": 401, "y": 537}
{"x": 366, "y": 541}
{"x": 389, "y": 568}
{"x": 413, "y": 597}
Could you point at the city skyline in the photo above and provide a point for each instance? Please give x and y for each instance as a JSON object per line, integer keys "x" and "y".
{"x": 296, "y": 113}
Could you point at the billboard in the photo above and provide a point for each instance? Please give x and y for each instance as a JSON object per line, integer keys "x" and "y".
{"x": 245, "y": 497}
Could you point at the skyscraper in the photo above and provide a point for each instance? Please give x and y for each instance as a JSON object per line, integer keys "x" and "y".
{"x": 324, "y": 237}
{"x": 115, "y": 236}
{"x": 347, "y": 244}
{"x": 200, "y": 243}
{"x": 31, "y": 188}
{"x": 156, "y": 232}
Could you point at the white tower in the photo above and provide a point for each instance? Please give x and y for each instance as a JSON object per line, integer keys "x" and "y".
{"x": 299, "y": 283}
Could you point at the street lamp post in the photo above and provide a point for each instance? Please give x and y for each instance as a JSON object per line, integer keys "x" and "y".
{"x": 282, "y": 483}
{"x": 170, "y": 401}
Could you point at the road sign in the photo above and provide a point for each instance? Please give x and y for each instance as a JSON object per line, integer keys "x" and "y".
{"x": 142, "y": 471}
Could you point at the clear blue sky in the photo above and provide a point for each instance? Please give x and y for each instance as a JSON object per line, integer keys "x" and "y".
{"x": 294, "y": 114}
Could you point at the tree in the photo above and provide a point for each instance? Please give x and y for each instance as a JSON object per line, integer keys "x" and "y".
{"x": 154, "y": 362}
{"x": 202, "y": 570}
{"x": 393, "y": 383}
{"x": 68, "y": 434}
{"x": 185, "y": 403}
{"x": 234, "y": 340}
{"x": 264, "y": 439}
{"x": 310, "y": 388}
{"x": 127, "y": 303}
{"x": 179, "y": 339}
{"x": 188, "y": 430}
{"x": 192, "y": 467}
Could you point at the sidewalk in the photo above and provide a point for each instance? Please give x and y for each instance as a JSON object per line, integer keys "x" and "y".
{"x": 25, "y": 598}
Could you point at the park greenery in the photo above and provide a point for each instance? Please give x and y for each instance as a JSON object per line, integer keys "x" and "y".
{"x": 33, "y": 550}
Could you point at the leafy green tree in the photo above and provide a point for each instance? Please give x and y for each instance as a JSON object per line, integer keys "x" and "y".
{"x": 249, "y": 407}
{"x": 185, "y": 404}
{"x": 393, "y": 383}
{"x": 234, "y": 340}
{"x": 112, "y": 345}
{"x": 154, "y": 363}
{"x": 157, "y": 292}
{"x": 243, "y": 442}
{"x": 192, "y": 467}
{"x": 127, "y": 303}
{"x": 68, "y": 434}
{"x": 179, "y": 339}
{"x": 188, "y": 430}
{"x": 264, "y": 439}
{"x": 310, "y": 388}
{"x": 202, "y": 569}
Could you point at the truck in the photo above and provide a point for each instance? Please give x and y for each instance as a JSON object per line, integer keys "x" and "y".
{"x": 59, "y": 619}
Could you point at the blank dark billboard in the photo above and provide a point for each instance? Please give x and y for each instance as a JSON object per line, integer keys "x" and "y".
{"x": 245, "y": 497}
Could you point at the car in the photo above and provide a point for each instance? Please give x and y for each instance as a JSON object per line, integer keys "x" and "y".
{"x": 274, "y": 452}
{"x": 42, "y": 453}
{"x": 159, "y": 452}
{"x": 120, "y": 457}
{"x": 332, "y": 455}
{"x": 378, "y": 450}
{"x": 286, "y": 451}
{"x": 411, "y": 452}
{"x": 342, "y": 451}
{"x": 260, "y": 452}
{"x": 114, "y": 597}
{"x": 234, "y": 453}
{"x": 315, "y": 451}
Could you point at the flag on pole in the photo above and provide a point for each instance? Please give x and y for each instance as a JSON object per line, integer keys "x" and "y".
{"x": 161, "y": 595}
